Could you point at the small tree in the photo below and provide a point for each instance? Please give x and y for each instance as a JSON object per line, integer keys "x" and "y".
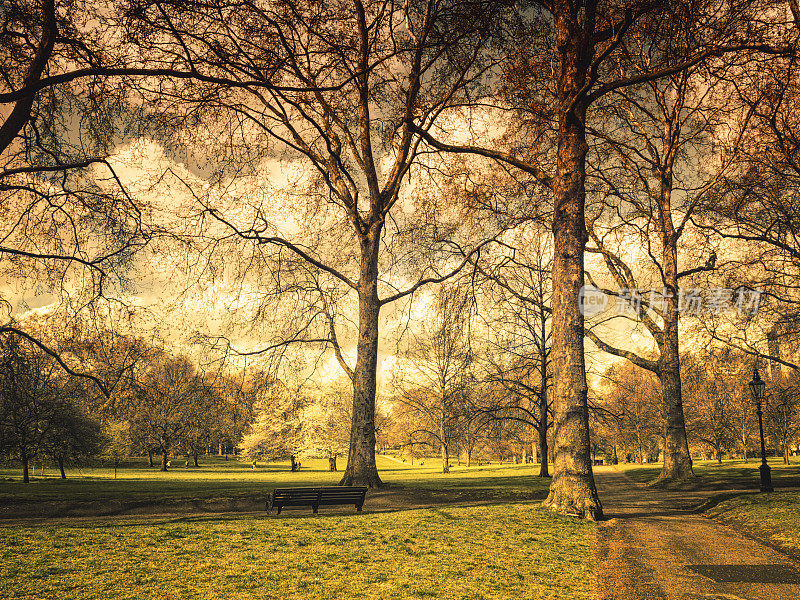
{"x": 631, "y": 403}
{"x": 166, "y": 394}
{"x": 38, "y": 413}
{"x": 276, "y": 432}
{"x": 326, "y": 424}
{"x": 73, "y": 436}
{"x": 783, "y": 416}
{"x": 434, "y": 373}
{"x": 118, "y": 442}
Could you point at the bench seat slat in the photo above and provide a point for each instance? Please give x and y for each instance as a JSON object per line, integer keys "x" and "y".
{"x": 316, "y": 497}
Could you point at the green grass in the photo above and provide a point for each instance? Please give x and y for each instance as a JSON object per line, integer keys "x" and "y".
{"x": 731, "y": 474}
{"x": 506, "y": 547}
{"x": 218, "y": 478}
{"x": 514, "y": 550}
{"x": 774, "y": 518}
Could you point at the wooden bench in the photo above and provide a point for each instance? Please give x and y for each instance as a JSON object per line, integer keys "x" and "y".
{"x": 316, "y": 497}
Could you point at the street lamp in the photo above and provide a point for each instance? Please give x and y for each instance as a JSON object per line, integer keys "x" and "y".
{"x": 757, "y": 388}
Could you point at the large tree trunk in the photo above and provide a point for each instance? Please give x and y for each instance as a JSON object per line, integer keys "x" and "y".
{"x": 61, "y": 467}
{"x": 150, "y": 457}
{"x": 572, "y": 490}
{"x": 194, "y": 457}
{"x": 164, "y": 456}
{"x": 361, "y": 468}
{"x": 677, "y": 461}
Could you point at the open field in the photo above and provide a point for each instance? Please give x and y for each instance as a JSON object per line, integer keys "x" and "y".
{"x": 509, "y": 549}
{"x": 502, "y": 551}
{"x": 233, "y": 485}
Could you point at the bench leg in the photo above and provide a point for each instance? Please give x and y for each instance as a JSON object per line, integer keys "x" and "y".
{"x": 316, "y": 508}
{"x": 279, "y": 509}
{"x": 358, "y": 507}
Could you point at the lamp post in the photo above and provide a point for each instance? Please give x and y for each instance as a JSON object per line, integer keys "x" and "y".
{"x": 757, "y": 388}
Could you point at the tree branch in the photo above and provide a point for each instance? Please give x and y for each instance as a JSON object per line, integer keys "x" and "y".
{"x": 644, "y": 363}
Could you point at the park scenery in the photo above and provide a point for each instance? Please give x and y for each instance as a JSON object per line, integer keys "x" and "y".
{"x": 389, "y": 299}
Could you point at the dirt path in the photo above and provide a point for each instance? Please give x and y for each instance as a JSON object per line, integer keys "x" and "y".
{"x": 656, "y": 547}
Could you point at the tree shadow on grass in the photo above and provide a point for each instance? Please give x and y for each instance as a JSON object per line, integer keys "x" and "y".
{"x": 764, "y": 574}
{"x": 392, "y": 497}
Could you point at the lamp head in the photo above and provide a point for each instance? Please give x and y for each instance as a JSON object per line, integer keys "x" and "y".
{"x": 757, "y": 386}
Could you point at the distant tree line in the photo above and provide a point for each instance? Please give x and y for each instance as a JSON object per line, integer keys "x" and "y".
{"x": 720, "y": 412}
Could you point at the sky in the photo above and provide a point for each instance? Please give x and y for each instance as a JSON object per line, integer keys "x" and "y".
{"x": 173, "y": 295}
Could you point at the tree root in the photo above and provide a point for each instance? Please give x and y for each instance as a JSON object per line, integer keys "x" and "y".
{"x": 370, "y": 480}
{"x": 585, "y": 506}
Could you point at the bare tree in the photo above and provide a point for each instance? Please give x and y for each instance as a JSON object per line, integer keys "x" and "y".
{"x": 433, "y": 373}
{"x": 783, "y": 415}
{"x": 69, "y": 226}
{"x": 518, "y": 315}
{"x": 630, "y": 408}
{"x": 588, "y": 47}
{"x": 653, "y": 171}
{"x": 40, "y": 412}
{"x": 167, "y": 401}
{"x": 353, "y": 78}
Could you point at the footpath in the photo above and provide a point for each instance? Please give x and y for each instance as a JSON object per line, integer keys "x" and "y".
{"x": 655, "y": 545}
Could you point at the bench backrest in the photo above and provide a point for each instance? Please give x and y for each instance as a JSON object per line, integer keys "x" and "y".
{"x": 319, "y": 495}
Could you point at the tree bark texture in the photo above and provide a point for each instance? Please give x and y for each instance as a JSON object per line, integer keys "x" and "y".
{"x": 361, "y": 468}
{"x": 677, "y": 460}
{"x": 572, "y": 490}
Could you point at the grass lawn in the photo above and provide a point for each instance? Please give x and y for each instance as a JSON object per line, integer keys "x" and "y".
{"x": 219, "y": 478}
{"x": 512, "y": 549}
{"x": 774, "y": 518}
